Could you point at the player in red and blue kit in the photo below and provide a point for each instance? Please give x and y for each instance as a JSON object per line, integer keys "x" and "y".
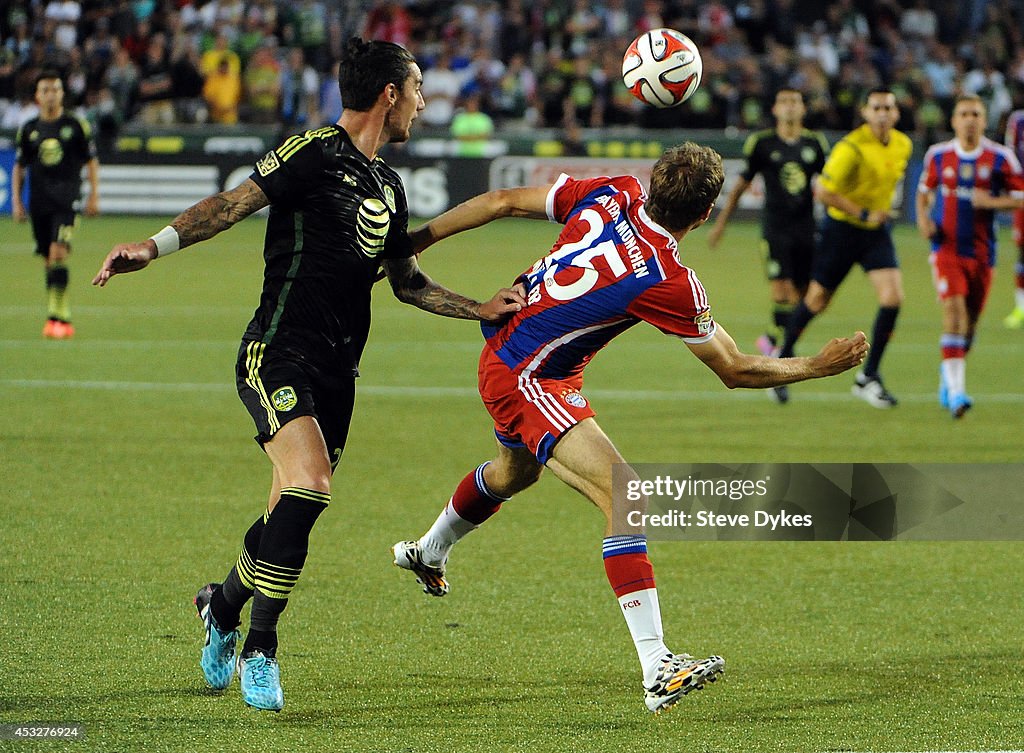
{"x": 964, "y": 182}
{"x": 1015, "y": 140}
{"x": 615, "y": 264}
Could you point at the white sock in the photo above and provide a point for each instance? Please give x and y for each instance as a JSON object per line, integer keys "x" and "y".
{"x": 643, "y": 618}
{"x": 437, "y": 542}
{"x": 954, "y": 371}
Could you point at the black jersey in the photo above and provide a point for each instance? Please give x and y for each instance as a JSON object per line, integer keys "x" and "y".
{"x": 334, "y": 216}
{"x": 787, "y": 169}
{"x": 54, "y": 151}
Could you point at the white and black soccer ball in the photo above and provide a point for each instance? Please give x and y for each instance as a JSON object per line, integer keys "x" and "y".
{"x": 662, "y": 67}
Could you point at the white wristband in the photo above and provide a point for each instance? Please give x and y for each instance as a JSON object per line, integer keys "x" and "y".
{"x": 166, "y": 241}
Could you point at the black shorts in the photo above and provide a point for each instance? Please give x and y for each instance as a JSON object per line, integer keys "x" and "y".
{"x": 841, "y": 245}
{"x": 277, "y": 389}
{"x": 788, "y": 252}
{"x": 53, "y": 227}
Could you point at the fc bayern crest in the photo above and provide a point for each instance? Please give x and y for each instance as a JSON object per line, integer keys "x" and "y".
{"x": 575, "y": 399}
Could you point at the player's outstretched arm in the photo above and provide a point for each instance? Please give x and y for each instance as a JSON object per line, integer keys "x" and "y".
{"x": 411, "y": 285}
{"x": 199, "y": 222}
{"x": 738, "y": 369}
{"x": 487, "y": 207}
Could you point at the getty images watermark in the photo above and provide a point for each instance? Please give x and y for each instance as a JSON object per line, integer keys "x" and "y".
{"x": 824, "y": 502}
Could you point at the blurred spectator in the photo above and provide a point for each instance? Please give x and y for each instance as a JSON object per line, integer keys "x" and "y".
{"x": 75, "y": 79}
{"x": 515, "y": 37}
{"x": 551, "y": 88}
{"x": 187, "y": 81}
{"x": 64, "y": 14}
{"x": 388, "y": 21}
{"x": 515, "y": 96}
{"x": 440, "y": 90}
{"x": 310, "y": 18}
{"x": 615, "y": 21}
{"x": 942, "y": 73}
{"x": 222, "y": 92}
{"x": 331, "y": 105}
{"x": 920, "y": 21}
{"x": 122, "y": 79}
{"x": 262, "y": 80}
{"x": 221, "y": 50}
{"x": 472, "y": 128}
{"x": 137, "y": 42}
{"x": 300, "y": 88}
{"x": 18, "y": 112}
{"x": 155, "y": 90}
{"x": 751, "y": 17}
{"x": 989, "y": 84}
{"x": 581, "y": 27}
{"x": 582, "y": 103}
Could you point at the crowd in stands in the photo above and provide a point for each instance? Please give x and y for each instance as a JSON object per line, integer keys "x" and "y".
{"x": 511, "y": 63}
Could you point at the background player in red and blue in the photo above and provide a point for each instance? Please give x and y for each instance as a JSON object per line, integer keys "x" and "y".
{"x": 1015, "y": 140}
{"x": 965, "y": 180}
{"x": 615, "y": 264}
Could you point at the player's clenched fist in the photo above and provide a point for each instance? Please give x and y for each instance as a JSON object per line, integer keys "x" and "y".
{"x": 125, "y": 257}
{"x": 842, "y": 353}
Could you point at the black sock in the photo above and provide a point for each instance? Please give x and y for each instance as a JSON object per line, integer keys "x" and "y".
{"x": 282, "y": 553}
{"x": 798, "y": 320}
{"x": 885, "y": 323}
{"x": 781, "y": 314}
{"x": 237, "y": 588}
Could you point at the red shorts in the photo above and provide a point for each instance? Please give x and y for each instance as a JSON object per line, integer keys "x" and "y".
{"x": 959, "y": 275}
{"x": 528, "y": 412}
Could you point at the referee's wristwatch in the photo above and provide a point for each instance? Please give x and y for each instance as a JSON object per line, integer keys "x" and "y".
{"x": 864, "y": 214}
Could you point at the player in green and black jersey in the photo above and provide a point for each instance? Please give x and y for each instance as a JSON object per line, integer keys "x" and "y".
{"x": 788, "y": 157}
{"x": 338, "y": 214}
{"x": 53, "y": 148}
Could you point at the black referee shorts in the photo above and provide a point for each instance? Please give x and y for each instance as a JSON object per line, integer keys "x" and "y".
{"x": 841, "y": 245}
{"x": 276, "y": 389}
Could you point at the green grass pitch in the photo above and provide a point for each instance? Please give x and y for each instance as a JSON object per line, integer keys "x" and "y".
{"x": 129, "y": 476}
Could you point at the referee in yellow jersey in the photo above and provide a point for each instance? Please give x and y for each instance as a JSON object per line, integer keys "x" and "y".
{"x": 858, "y": 184}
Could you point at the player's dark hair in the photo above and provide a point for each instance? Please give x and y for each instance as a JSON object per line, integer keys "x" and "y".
{"x": 875, "y": 90}
{"x": 48, "y": 74}
{"x": 685, "y": 182}
{"x": 367, "y": 67}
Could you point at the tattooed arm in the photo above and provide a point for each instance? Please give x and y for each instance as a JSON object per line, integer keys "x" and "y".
{"x": 411, "y": 285}
{"x": 199, "y": 222}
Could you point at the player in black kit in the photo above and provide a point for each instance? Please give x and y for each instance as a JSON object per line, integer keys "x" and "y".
{"x": 788, "y": 157}
{"x": 53, "y": 147}
{"x": 338, "y": 214}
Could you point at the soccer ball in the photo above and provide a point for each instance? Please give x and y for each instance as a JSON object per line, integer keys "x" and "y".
{"x": 662, "y": 68}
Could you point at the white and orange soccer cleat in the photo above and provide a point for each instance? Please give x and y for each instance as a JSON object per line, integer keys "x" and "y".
{"x": 677, "y": 676}
{"x": 431, "y": 577}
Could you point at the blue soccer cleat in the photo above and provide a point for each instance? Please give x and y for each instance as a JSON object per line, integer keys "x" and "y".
{"x": 261, "y": 681}
{"x": 943, "y": 391}
{"x": 959, "y": 405}
{"x": 218, "y": 658}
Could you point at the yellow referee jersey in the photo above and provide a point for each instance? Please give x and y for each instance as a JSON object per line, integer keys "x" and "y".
{"x": 866, "y": 171}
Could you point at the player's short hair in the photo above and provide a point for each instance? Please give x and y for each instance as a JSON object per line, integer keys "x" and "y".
{"x": 787, "y": 90}
{"x": 685, "y": 182}
{"x": 48, "y": 74}
{"x": 875, "y": 90}
{"x": 367, "y": 67}
{"x": 972, "y": 98}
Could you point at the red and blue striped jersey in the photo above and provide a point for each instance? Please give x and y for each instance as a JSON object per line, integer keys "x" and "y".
{"x": 954, "y": 174}
{"x": 611, "y": 268}
{"x": 1015, "y": 134}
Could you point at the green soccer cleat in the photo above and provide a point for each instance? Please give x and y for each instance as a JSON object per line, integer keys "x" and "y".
{"x": 677, "y": 676}
{"x": 261, "y": 681}
{"x": 1015, "y": 319}
{"x": 218, "y": 658}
